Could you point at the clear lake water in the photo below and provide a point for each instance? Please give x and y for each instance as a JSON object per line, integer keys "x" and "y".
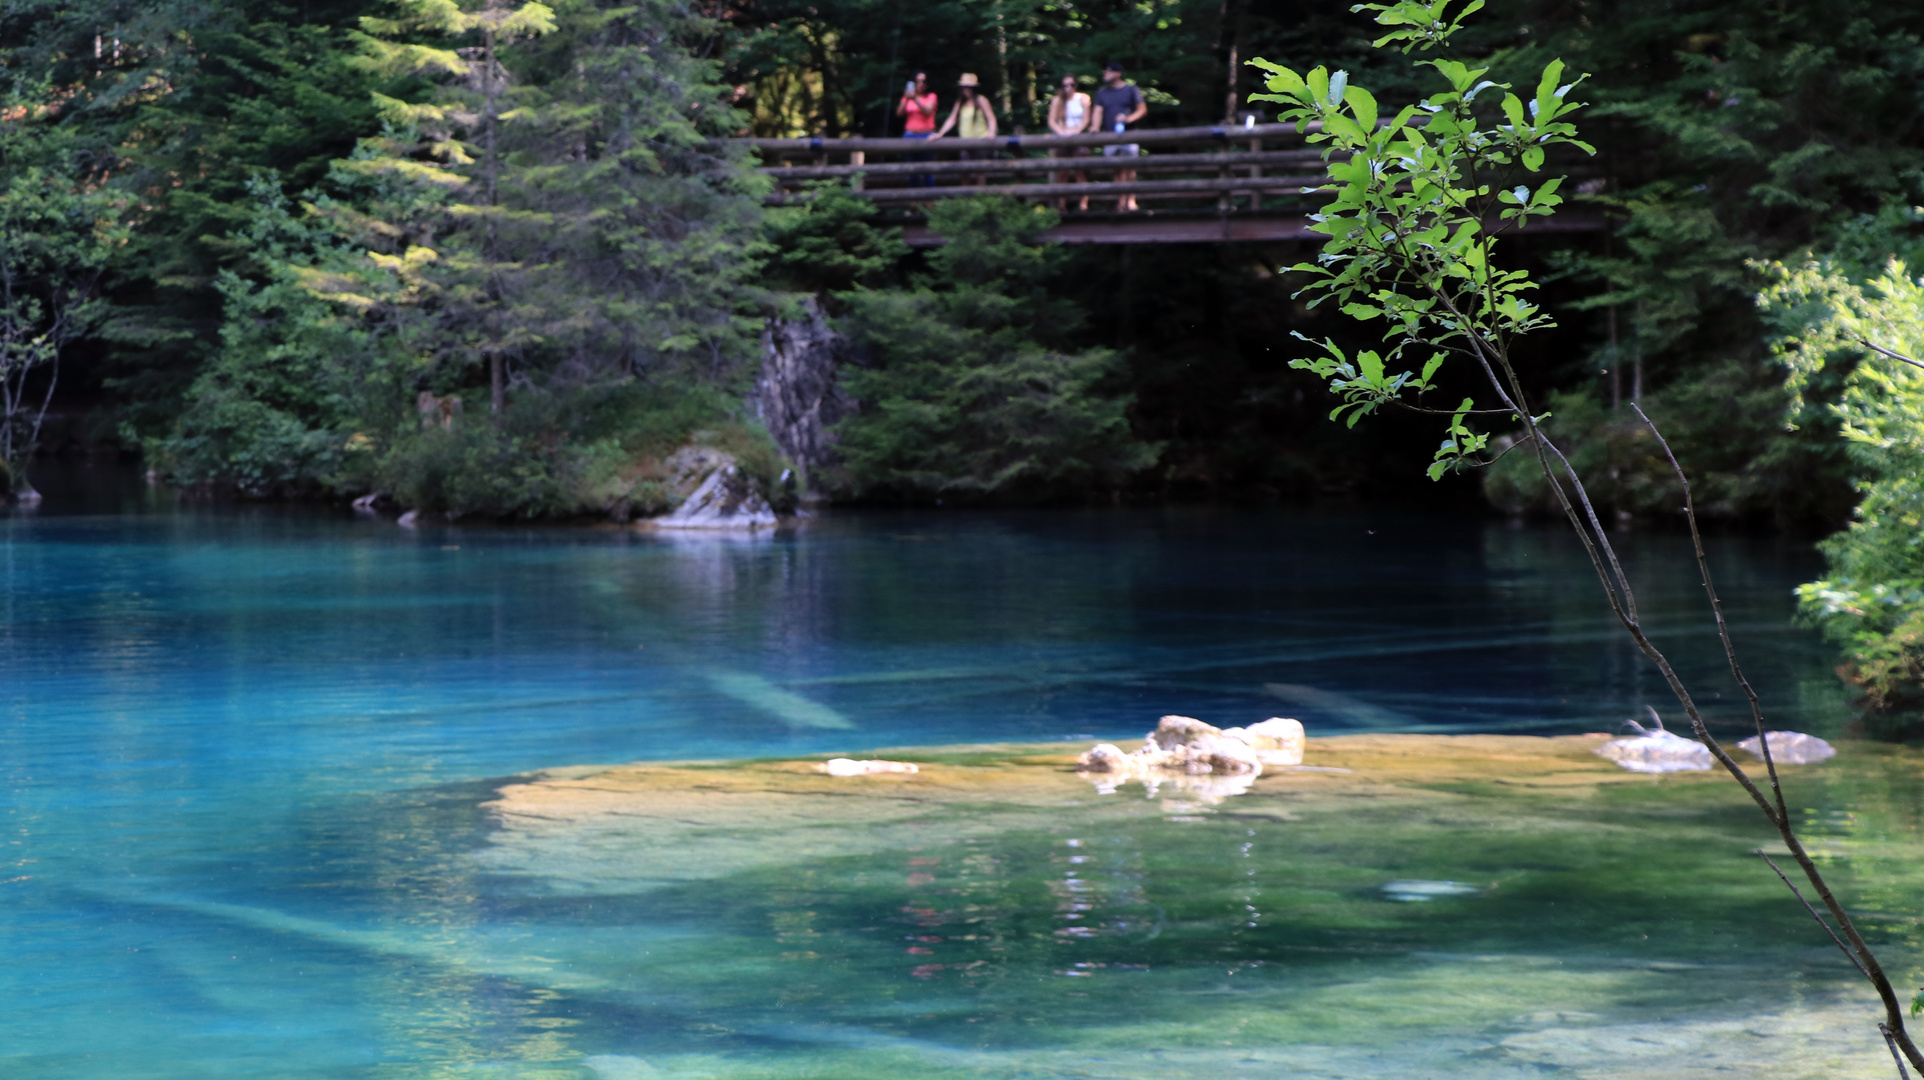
{"x": 246, "y": 752}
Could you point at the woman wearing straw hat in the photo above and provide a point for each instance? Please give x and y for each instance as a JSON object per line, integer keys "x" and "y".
{"x": 977, "y": 121}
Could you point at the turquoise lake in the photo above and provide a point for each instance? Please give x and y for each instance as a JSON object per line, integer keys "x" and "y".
{"x": 247, "y": 754}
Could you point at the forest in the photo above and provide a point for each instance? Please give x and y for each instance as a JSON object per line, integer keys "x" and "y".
{"x": 251, "y": 244}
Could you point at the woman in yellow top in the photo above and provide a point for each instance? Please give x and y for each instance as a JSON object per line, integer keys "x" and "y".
{"x": 977, "y": 121}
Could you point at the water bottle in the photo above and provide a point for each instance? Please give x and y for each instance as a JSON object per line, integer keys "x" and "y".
{"x": 1119, "y": 127}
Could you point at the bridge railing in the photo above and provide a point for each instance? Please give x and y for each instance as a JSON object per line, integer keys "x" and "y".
{"x": 1249, "y": 167}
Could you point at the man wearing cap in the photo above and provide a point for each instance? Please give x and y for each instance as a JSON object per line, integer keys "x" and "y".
{"x": 1118, "y": 106}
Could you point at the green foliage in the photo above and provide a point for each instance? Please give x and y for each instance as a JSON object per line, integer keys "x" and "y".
{"x": 1873, "y": 598}
{"x": 183, "y": 101}
{"x": 302, "y": 389}
{"x": 974, "y": 389}
{"x": 60, "y": 223}
{"x": 828, "y": 244}
{"x": 1731, "y": 133}
{"x": 1415, "y": 204}
{"x": 1727, "y": 421}
{"x": 548, "y": 236}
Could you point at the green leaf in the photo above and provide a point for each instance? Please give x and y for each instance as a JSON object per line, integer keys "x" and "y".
{"x": 1533, "y": 158}
{"x": 1547, "y": 88}
{"x": 1348, "y": 131}
{"x": 1338, "y": 83}
{"x": 1513, "y": 110}
{"x": 1284, "y": 81}
{"x": 1362, "y": 105}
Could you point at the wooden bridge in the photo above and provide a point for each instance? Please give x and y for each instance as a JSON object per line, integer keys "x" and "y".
{"x": 1193, "y": 184}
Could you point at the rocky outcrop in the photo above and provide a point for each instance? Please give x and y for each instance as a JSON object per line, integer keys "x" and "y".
{"x": 797, "y": 396}
{"x": 1789, "y": 748}
{"x": 718, "y": 496}
{"x": 1184, "y": 745}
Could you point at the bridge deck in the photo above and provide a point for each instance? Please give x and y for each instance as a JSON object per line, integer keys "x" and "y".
{"x": 1193, "y": 185}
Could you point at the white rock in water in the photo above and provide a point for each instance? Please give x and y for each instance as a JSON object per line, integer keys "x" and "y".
{"x": 1187, "y": 745}
{"x": 1790, "y": 748}
{"x": 842, "y": 766}
{"x": 1174, "y": 731}
{"x": 1104, "y": 758}
{"x": 1657, "y": 752}
{"x": 1277, "y": 740}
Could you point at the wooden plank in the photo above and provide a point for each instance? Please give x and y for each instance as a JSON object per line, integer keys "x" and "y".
{"x": 1146, "y": 137}
{"x": 1095, "y": 190}
{"x": 1146, "y": 229}
{"x": 1025, "y": 165}
{"x": 1223, "y": 228}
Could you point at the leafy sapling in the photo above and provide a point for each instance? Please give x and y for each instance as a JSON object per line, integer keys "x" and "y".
{"x": 1416, "y": 204}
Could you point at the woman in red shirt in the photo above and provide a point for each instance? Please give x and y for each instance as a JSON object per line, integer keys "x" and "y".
{"x": 918, "y": 108}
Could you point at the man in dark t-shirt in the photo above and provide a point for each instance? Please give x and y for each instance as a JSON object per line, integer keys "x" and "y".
{"x": 1118, "y": 106}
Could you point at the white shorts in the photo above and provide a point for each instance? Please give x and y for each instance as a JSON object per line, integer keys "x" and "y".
{"x": 1122, "y": 150}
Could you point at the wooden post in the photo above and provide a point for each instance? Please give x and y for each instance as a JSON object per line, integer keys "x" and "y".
{"x": 1255, "y": 197}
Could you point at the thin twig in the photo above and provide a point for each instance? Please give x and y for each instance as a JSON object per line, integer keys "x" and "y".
{"x": 1893, "y": 355}
{"x": 1717, "y": 609}
{"x": 1813, "y": 914}
{"x": 1502, "y": 453}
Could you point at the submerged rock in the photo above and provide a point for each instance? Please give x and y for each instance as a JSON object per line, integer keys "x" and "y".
{"x": 1416, "y": 892}
{"x": 1789, "y": 747}
{"x": 842, "y": 766}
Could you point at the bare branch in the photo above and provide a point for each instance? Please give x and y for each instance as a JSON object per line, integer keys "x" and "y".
{"x": 1717, "y": 609}
{"x": 1893, "y": 355}
{"x": 1820, "y": 919}
{"x": 1504, "y": 453}
{"x": 1451, "y": 412}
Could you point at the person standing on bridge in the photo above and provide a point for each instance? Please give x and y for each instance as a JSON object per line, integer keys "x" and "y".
{"x": 1070, "y": 114}
{"x": 976, "y": 119}
{"x": 1119, "y": 105}
{"x": 917, "y": 110}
